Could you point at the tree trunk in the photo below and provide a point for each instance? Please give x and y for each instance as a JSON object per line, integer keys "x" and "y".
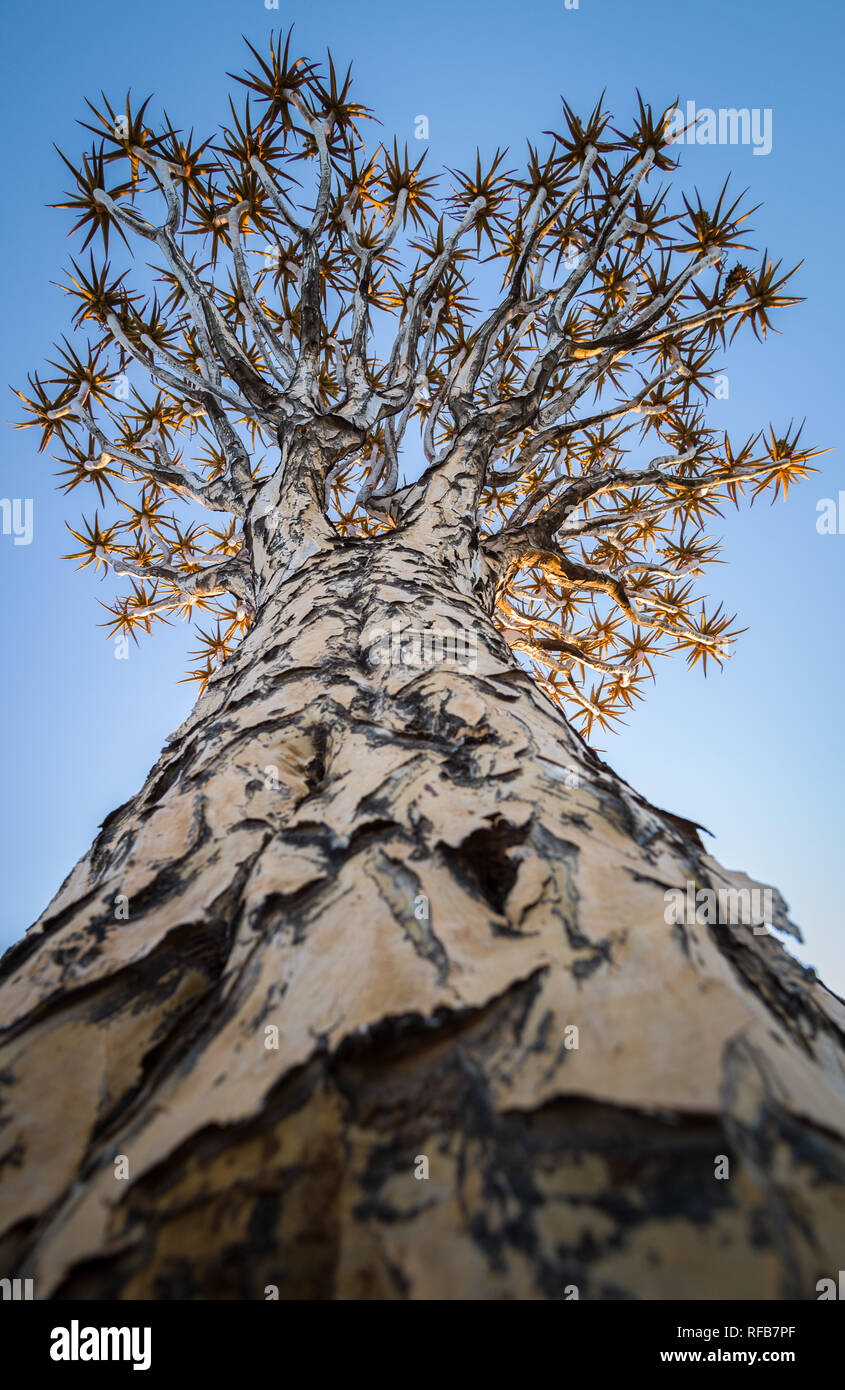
{"x": 371, "y": 993}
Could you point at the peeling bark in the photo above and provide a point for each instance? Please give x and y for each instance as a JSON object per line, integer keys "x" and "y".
{"x": 424, "y": 880}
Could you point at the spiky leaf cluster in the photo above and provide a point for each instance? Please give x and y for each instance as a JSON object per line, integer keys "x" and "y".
{"x": 292, "y": 271}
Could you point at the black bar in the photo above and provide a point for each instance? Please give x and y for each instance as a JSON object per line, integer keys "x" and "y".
{"x": 227, "y": 1341}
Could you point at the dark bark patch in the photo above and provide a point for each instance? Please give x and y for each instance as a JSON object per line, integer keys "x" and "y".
{"x": 400, "y": 888}
{"x": 482, "y": 863}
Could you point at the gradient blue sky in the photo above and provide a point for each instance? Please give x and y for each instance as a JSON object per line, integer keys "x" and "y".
{"x": 755, "y": 753}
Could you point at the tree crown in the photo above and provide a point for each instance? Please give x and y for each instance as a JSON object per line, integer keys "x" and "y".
{"x": 309, "y": 312}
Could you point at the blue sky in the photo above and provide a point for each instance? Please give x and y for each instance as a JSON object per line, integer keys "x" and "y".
{"x": 754, "y": 753}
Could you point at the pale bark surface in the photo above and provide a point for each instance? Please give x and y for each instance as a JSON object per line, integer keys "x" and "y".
{"x": 287, "y": 898}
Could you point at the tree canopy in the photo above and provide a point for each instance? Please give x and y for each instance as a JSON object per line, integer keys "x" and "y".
{"x": 306, "y": 322}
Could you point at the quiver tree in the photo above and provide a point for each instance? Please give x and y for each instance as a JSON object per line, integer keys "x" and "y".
{"x": 373, "y": 989}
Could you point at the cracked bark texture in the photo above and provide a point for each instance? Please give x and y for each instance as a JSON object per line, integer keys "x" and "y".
{"x": 277, "y": 865}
